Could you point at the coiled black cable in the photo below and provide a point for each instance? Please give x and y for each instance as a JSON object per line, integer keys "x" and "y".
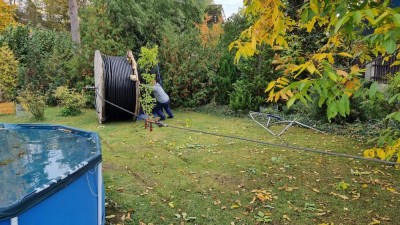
{"x": 119, "y": 89}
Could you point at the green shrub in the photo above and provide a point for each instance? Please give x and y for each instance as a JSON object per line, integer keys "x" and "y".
{"x": 243, "y": 97}
{"x": 34, "y": 102}
{"x": 47, "y": 59}
{"x": 71, "y": 102}
{"x": 189, "y": 69}
{"x": 8, "y": 74}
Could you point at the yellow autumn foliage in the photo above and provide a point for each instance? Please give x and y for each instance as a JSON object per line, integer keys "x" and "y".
{"x": 386, "y": 153}
{"x": 6, "y": 15}
{"x": 8, "y": 73}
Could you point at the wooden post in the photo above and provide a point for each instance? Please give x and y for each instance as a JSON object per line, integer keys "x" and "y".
{"x": 99, "y": 85}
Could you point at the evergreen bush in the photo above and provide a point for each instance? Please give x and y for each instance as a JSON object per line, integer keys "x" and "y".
{"x": 71, "y": 102}
{"x": 8, "y": 74}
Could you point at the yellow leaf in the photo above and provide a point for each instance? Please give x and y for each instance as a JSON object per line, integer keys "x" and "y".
{"x": 342, "y": 73}
{"x": 276, "y": 62}
{"x": 392, "y": 190}
{"x": 235, "y": 206}
{"x": 351, "y": 86}
{"x": 331, "y": 60}
{"x": 320, "y": 56}
{"x": 314, "y": 6}
{"x": 171, "y": 204}
{"x": 355, "y": 69}
{"x": 369, "y": 153}
{"x": 396, "y": 63}
{"x": 316, "y": 190}
{"x": 345, "y": 54}
{"x": 286, "y": 218}
{"x": 310, "y": 25}
{"x": 364, "y": 186}
{"x": 381, "y": 153}
{"x": 270, "y": 85}
{"x": 289, "y": 93}
{"x": 284, "y": 96}
{"x": 284, "y": 79}
{"x": 311, "y": 68}
{"x": 280, "y": 40}
{"x": 342, "y": 185}
{"x": 374, "y": 222}
{"x": 277, "y": 95}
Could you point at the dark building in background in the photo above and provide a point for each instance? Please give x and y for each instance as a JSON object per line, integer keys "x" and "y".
{"x": 216, "y": 12}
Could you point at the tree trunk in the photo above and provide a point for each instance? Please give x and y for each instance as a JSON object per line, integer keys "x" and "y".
{"x": 74, "y": 20}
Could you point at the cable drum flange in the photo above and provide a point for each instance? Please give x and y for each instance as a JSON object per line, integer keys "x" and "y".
{"x": 114, "y": 85}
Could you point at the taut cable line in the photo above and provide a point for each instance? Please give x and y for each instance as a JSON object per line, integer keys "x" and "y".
{"x": 291, "y": 147}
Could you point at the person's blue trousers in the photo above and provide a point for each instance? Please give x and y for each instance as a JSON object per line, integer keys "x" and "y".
{"x": 158, "y": 109}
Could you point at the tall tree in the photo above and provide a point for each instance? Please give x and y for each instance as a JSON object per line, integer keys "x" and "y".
{"x": 29, "y": 12}
{"x": 56, "y": 15}
{"x": 355, "y": 31}
{"x": 74, "y": 20}
{"x": 6, "y": 15}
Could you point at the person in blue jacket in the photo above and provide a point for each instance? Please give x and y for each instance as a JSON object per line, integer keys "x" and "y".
{"x": 162, "y": 103}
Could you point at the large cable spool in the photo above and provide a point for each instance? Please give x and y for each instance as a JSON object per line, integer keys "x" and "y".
{"x": 116, "y": 81}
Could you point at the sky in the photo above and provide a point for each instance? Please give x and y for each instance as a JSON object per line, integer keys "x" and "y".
{"x": 230, "y": 6}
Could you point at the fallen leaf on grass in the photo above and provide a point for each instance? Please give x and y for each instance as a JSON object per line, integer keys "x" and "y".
{"x": 286, "y": 218}
{"x": 358, "y": 173}
{"x": 262, "y": 195}
{"x": 374, "y": 221}
{"x": 392, "y": 190}
{"x": 110, "y": 216}
{"x": 341, "y": 196}
{"x": 384, "y": 218}
{"x": 171, "y": 204}
{"x": 288, "y": 189}
{"x": 235, "y": 206}
{"x": 217, "y": 202}
{"x": 316, "y": 190}
{"x": 341, "y": 185}
{"x": 355, "y": 195}
{"x": 320, "y": 214}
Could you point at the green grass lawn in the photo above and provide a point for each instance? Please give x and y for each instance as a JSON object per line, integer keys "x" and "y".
{"x": 170, "y": 176}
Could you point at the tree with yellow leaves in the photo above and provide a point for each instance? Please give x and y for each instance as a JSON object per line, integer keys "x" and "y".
{"x": 358, "y": 31}
{"x": 6, "y": 15}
